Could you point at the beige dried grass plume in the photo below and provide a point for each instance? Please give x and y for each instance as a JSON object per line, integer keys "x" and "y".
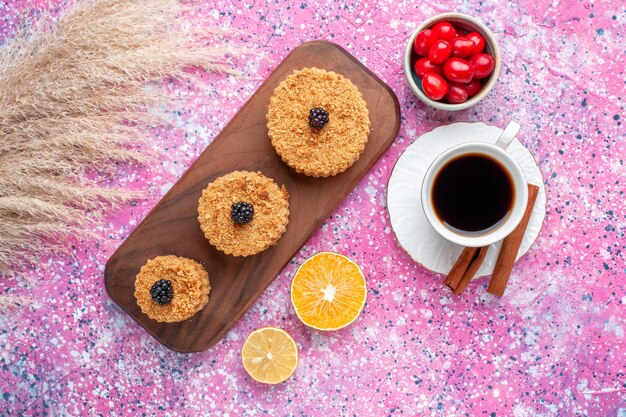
{"x": 73, "y": 99}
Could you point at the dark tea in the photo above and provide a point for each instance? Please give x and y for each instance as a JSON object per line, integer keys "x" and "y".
{"x": 472, "y": 193}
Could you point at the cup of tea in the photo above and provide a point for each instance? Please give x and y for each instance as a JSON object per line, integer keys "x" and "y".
{"x": 475, "y": 194}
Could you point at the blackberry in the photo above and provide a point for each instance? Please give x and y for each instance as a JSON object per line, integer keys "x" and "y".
{"x": 162, "y": 292}
{"x": 318, "y": 118}
{"x": 242, "y": 212}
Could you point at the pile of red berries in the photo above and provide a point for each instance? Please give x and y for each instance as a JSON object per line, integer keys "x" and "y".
{"x": 451, "y": 64}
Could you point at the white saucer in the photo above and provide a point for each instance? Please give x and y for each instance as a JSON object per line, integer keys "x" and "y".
{"x": 415, "y": 235}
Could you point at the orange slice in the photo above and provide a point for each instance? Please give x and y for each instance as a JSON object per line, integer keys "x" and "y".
{"x": 269, "y": 355}
{"x": 328, "y": 291}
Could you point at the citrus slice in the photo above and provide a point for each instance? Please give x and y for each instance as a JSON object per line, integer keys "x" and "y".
{"x": 328, "y": 291}
{"x": 269, "y": 355}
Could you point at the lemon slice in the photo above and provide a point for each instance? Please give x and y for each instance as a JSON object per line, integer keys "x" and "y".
{"x": 328, "y": 291}
{"x": 269, "y": 355}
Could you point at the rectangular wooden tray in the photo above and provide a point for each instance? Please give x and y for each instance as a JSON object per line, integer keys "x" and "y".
{"x": 172, "y": 226}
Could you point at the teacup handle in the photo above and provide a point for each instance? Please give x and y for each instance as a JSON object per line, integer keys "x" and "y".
{"x": 508, "y": 135}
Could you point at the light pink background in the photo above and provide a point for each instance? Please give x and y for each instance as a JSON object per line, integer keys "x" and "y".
{"x": 553, "y": 346}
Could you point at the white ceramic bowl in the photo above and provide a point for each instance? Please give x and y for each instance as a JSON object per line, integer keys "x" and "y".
{"x": 466, "y": 23}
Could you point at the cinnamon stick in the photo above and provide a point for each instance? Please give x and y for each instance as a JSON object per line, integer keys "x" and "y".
{"x": 460, "y": 266}
{"x": 464, "y": 268}
{"x": 510, "y": 247}
{"x": 471, "y": 270}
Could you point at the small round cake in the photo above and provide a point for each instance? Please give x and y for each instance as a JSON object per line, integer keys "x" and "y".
{"x": 171, "y": 288}
{"x": 318, "y": 122}
{"x": 243, "y": 213}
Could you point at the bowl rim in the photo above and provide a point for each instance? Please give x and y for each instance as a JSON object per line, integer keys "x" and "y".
{"x": 489, "y": 38}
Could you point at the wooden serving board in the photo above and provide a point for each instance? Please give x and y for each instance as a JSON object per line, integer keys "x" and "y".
{"x": 172, "y": 226}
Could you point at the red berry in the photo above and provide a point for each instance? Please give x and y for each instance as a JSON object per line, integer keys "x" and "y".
{"x": 439, "y": 52}
{"x": 462, "y": 47}
{"x": 458, "y": 70}
{"x": 456, "y": 93}
{"x": 444, "y": 30}
{"x": 423, "y": 66}
{"x": 423, "y": 41}
{"x": 478, "y": 40}
{"x": 435, "y": 87}
{"x": 473, "y": 87}
{"x": 483, "y": 65}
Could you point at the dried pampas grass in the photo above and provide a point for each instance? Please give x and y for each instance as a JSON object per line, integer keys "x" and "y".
{"x": 15, "y": 301}
{"x": 74, "y": 101}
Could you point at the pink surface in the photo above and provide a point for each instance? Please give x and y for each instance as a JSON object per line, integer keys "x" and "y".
{"x": 553, "y": 346}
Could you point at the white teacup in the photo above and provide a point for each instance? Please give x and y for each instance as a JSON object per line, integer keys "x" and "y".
{"x": 497, "y": 152}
